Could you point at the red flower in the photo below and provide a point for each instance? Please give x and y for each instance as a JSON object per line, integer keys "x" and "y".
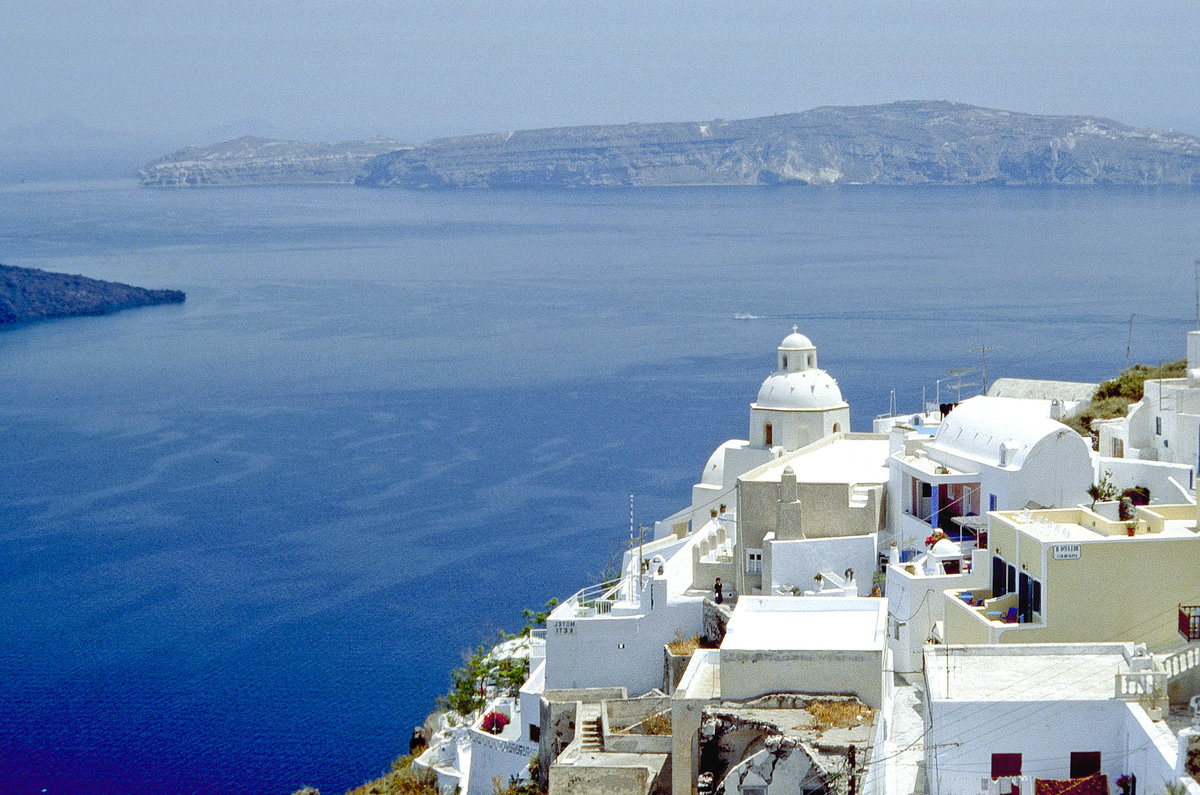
{"x": 494, "y": 722}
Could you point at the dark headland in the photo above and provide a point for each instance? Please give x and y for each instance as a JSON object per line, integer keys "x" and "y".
{"x": 28, "y": 294}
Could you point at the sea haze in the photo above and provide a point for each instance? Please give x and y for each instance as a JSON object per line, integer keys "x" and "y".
{"x": 244, "y": 539}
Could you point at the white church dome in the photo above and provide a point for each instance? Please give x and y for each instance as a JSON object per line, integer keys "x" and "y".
{"x": 799, "y": 383}
{"x": 804, "y": 389}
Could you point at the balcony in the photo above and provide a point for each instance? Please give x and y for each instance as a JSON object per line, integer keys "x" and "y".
{"x": 1189, "y": 622}
{"x": 619, "y": 598}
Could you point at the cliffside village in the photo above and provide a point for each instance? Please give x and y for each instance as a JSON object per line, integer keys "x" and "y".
{"x": 957, "y": 602}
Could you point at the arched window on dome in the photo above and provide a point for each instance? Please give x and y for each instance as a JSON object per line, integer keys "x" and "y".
{"x": 812, "y": 360}
{"x": 837, "y": 427}
{"x": 783, "y": 362}
{"x": 767, "y": 435}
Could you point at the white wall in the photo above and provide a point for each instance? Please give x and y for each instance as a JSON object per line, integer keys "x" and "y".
{"x": 492, "y": 756}
{"x": 965, "y": 734}
{"x": 915, "y": 603}
{"x": 794, "y": 563}
{"x": 1154, "y": 475}
{"x": 618, "y": 650}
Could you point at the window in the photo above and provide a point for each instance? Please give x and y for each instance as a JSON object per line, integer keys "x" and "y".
{"x": 991, "y": 502}
{"x": 837, "y": 426}
{"x": 767, "y": 440}
{"x": 1006, "y": 765}
{"x": 1084, "y": 763}
{"x": 754, "y": 561}
{"x": 535, "y": 733}
{"x": 1158, "y": 426}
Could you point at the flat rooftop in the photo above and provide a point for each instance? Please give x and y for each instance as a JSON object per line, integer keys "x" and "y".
{"x": 806, "y": 623}
{"x": 858, "y": 458}
{"x": 1027, "y": 672}
{"x": 1082, "y": 524}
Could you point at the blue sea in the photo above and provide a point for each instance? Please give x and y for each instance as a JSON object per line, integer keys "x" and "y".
{"x": 244, "y": 539}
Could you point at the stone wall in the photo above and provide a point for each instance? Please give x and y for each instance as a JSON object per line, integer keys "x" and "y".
{"x": 713, "y": 622}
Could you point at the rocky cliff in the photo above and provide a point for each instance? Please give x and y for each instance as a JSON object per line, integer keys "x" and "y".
{"x": 260, "y": 161}
{"x": 30, "y": 294}
{"x": 903, "y": 143}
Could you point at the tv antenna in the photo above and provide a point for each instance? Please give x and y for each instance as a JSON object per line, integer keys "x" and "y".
{"x": 958, "y": 384}
{"x": 983, "y": 349}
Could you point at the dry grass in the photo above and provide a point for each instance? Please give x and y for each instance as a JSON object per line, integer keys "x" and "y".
{"x": 402, "y": 780}
{"x": 658, "y": 723}
{"x": 837, "y": 714}
{"x": 684, "y": 646}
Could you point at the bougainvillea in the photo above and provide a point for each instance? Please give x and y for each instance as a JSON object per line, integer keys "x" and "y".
{"x": 494, "y": 722}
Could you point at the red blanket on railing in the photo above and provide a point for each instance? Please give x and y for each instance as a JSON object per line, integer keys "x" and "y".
{"x": 1096, "y": 784}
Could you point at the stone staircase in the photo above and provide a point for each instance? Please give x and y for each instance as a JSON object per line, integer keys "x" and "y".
{"x": 859, "y": 496}
{"x": 591, "y": 735}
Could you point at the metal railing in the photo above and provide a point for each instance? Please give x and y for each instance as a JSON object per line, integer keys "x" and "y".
{"x": 599, "y": 600}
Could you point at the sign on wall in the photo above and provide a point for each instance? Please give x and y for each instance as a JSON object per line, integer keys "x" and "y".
{"x": 1066, "y": 552}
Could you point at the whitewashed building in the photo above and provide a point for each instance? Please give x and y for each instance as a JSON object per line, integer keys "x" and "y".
{"x": 814, "y": 511}
{"x": 1164, "y": 426}
{"x": 1000, "y": 718}
{"x": 797, "y": 404}
{"x": 989, "y": 454}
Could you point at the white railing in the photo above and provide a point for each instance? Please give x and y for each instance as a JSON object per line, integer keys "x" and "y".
{"x": 1181, "y": 661}
{"x": 1142, "y": 684}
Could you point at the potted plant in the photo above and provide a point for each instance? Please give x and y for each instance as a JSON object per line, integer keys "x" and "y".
{"x": 1131, "y": 528}
{"x": 934, "y": 537}
{"x": 494, "y": 722}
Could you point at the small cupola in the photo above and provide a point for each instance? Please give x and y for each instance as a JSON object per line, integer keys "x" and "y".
{"x": 797, "y": 353}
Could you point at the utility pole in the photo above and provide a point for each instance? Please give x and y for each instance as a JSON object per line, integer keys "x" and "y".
{"x": 1197, "y": 263}
{"x": 639, "y": 555}
{"x": 1129, "y": 345}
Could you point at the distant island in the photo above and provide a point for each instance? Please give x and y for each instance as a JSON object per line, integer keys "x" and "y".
{"x": 28, "y": 294}
{"x": 902, "y": 143}
{"x": 262, "y": 161}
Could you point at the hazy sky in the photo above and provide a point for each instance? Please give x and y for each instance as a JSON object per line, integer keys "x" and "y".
{"x": 313, "y": 69}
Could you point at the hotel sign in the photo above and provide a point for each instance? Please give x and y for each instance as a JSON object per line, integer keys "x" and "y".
{"x": 1066, "y": 552}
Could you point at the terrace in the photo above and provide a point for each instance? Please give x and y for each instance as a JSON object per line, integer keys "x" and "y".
{"x": 995, "y": 611}
{"x": 618, "y": 598}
